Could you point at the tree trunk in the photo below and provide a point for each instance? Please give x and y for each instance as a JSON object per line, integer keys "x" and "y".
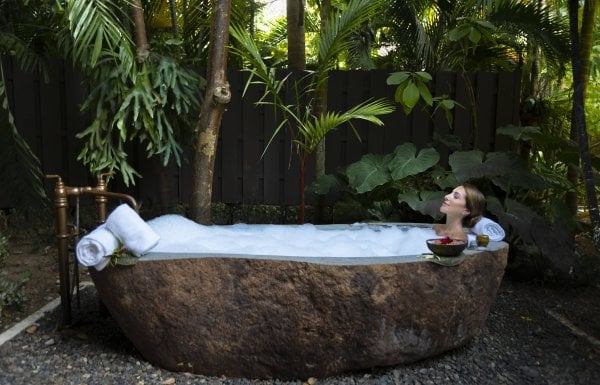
{"x": 319, "y": 108}
{"x": 142, "y": 49}
{"x": 296, "y": 32}
{"x": 580, "y": 124}
{"x": 173, "y": 11}
{"x": 321, "y": 98}
{"x": 587, "y": 39}
{"x": 139, "y": 30}
{"x": 216, "y": 97}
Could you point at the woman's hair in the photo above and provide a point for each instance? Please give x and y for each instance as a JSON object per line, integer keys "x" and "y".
{"x": 475, "y": 203}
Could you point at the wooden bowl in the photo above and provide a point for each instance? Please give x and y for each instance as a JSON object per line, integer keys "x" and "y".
{"x": 453, "y": 249}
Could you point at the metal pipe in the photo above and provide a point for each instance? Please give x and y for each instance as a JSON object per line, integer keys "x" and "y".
{"x": 61, "y": 204}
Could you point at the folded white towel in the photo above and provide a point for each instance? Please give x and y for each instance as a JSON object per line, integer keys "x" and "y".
{"x": 133, "y": 232}
{"x": 488, "y": 227}
{"x": 93, "y": 247}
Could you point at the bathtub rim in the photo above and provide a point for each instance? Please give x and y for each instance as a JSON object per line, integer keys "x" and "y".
{"x": 340, "y": 261}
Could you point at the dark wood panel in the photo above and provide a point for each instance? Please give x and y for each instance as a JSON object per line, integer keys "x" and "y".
{"x": 486, "y": 110}
{"x": 49, "y": 118}
{"x": 231, "y": 142}
{"x": 252, "y": 138}
{"x": 463, "y": 117}
{"x": 507, "y": 106}
{"x": 51, "y": 123}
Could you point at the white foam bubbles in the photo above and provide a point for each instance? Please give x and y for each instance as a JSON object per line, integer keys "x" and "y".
{"x": 179, "y": 234}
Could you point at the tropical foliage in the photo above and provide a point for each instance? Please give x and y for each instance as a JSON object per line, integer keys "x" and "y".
{"x": 409, "y": 185}
{"x": 307, "y": 127}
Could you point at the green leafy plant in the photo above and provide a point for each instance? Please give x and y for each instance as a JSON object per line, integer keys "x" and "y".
{"x": 526, "y": 197}
{"x": 12, "y": 293}
{"x": 122, "y": 257}
{"x": 372, "y": 184}
{"x": 155, "y": 103}
{"x": 307, "y": 127}
{"x": 413, "y": 87}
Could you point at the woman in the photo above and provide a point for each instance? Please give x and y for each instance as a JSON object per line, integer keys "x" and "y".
{"x": 464, "y": 208}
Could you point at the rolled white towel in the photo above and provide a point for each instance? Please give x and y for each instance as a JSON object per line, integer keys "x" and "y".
{"x": 133, "y": 232}
{"x": 93, "y": 248}
{"x": 488, "y": 227}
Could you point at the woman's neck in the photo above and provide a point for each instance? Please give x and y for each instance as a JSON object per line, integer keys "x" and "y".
{"x": 453, "y": 228}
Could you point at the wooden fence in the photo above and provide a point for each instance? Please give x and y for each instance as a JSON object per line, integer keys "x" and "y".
{"x": 47, "y": 114}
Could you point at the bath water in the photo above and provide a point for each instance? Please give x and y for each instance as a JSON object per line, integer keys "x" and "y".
{"x": 179, "y": 234}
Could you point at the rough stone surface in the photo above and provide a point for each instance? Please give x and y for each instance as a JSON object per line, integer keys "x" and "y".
{"x": 283, "y": 319}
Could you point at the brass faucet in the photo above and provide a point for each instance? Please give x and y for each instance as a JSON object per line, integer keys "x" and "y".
{"x": 61, "y": 204}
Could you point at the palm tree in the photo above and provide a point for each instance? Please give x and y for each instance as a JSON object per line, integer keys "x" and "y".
{"x": 296, "y": 34}
{"x": 580, "y": 122}
{"x": 309, "y": 127}
{"x": 24, "y": 37}
{"x": 417, "y": 34}
{"x": 586, "y": 38}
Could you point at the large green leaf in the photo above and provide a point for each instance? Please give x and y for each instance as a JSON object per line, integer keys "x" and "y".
{"x": 369, "y": 172}
{"x": 425, "y": 202}
{"x": 519, "y": 132}
{"x": 468, "y": 165}
{"x": 405, "y": 161}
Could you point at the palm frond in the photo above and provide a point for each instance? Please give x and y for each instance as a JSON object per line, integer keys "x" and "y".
{"x": 20, "y": 169}
{"x": 334, "y": 37}
{"x": 537, "y": 24}
{"x": 28, "y": 59}
{"x": 312, "y": 131}
{"x": 96, "y": 26}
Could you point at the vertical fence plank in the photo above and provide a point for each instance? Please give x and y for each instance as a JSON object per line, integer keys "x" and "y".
{"x": 76, "y": 122}
{"x": 232, "y": 155}
{"x": 358, "y": 91}
{"x": 26, "y": 109}
{"x": 252, "y": 138}
{"x": 335, "y": 140}
{"x": 444, "y": 85}
{"x": 486, "y": 110}
{"x": 463, "y": 117}
{"x": 51, "y": 120}
{"x": 507, "y": 107}
{"x": 273, "y": 163}
{"x": 377, "y": 134}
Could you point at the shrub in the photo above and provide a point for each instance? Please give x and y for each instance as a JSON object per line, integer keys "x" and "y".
{"x": 12, "y": 293}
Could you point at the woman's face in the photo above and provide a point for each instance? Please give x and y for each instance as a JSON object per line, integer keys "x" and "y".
{"x": 455, "y": 203}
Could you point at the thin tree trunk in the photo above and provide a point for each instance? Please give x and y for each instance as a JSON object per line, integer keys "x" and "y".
{"x": 580, "y": 123}
{"x": 216, "y": 98}
{"x": 587, "y": 39}
{"x": 321, "y": 98}
{"x": 296, "y": 36}
{"x": 319, "y": 108}
{"x": 139, "y": 31}
{"x": 173, "y": 11}
{"x": 296, "y": 31}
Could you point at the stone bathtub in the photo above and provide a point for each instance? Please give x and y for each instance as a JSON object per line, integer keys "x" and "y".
{"x": 297, "y": 317}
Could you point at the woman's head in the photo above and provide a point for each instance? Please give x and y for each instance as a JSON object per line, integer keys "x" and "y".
{"x": 465, "y": 201}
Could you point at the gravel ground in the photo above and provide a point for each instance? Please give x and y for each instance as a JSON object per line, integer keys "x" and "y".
{"x": 522, "y": 343}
